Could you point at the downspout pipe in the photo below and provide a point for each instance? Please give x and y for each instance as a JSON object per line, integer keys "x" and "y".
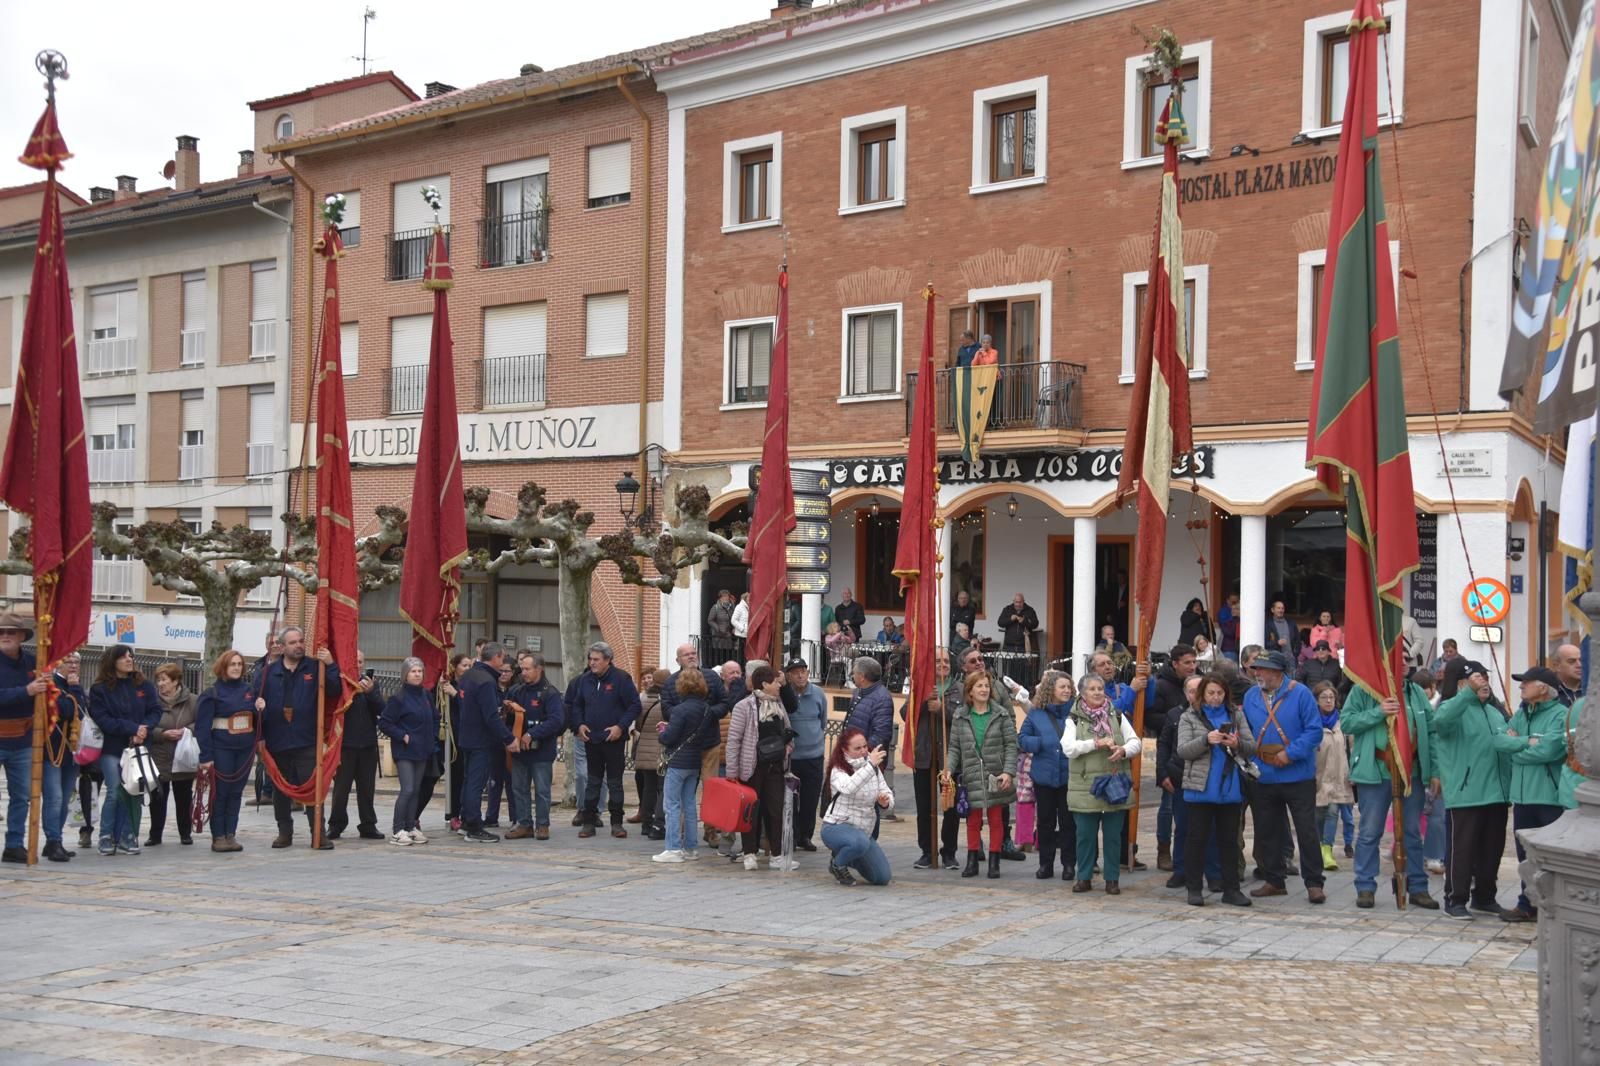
{"x": 644, "y": 355}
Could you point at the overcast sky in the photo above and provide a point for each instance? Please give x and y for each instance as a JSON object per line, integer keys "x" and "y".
{"x": 144, "y": 72}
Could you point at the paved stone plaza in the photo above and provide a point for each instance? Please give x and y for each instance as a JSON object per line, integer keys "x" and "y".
{"x": 574, "y": 950}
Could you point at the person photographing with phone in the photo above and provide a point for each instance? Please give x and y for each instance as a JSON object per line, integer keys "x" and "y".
{"x": 982, "y": 761}
{"x": 860, "y": 795}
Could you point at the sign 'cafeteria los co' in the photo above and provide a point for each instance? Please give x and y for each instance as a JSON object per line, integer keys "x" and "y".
{"x": 1095, "y": 464}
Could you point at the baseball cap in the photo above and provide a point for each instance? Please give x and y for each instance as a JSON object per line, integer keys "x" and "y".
{"x": 1475, "y": 667}
{"x": 796, "y": 664}
{"x": 1271, "y": 660}
{"x": 1539, "y": 673}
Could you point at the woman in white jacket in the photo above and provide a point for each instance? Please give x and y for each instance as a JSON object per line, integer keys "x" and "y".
{"x": 850, "y": 824}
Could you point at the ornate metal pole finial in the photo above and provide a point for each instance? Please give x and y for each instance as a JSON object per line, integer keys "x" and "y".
{"x": 52, "y": 65}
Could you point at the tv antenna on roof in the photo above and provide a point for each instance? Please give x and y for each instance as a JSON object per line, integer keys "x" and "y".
{"x": 366, "y": 18}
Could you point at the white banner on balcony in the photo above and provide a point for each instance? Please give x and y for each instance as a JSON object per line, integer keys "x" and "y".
{"x": 174, "y": 632}
{"x": 487, "y": 436}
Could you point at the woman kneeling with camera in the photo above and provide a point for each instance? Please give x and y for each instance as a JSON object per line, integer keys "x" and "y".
{"x": 850, "y": 824}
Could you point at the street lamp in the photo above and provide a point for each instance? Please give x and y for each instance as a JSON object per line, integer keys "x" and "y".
{"x": 627, "y": 497}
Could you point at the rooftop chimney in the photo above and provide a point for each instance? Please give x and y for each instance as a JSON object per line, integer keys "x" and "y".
{"x": 437, "y": 88}
{"x": 786, "y": 8}
{"x": 99, "y": 194}
{"x": 127, "y": 187}
{"x": 247, "y": 162}
{"x": 186, "y": 164}
{"x": 529, "y": 69}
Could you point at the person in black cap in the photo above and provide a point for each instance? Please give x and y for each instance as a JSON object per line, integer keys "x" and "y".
{"x": 1535, "y": 743}
{"x": 1322, "y": 666}
{"x": 1476, "y": 780}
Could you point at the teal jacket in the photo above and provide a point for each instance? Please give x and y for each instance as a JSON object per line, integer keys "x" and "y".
{"x": 1536, "y": 768}
{"x": 1363, "y": 722}
{"x": 1570, "y": 778}
{"x": 1474, "y": 773}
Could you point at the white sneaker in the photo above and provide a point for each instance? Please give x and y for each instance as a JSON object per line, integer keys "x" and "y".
{"x": 401, "y": 839}
{"x": 689, "y": 854}
{"x": 1434, "y": 866}
{"x": 667, "y": 856}
{"x": 417, "y": 837}
{"x": 751, "y": 863}
{"x": 780, "y": 863}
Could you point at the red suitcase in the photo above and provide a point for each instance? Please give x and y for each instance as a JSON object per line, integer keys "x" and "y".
{"x": 728, "y": 805}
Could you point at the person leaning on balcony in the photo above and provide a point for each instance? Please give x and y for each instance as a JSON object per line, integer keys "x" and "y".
{"x": 986, "y": 355}
{"x": 968, "y": 349}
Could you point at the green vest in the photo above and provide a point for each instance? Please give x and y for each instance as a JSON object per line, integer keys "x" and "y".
{"x": 1083, "y": 769}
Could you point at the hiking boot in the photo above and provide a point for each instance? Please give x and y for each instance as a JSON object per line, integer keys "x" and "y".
{"x": 541, "y": 832}
{"x": 1423, "y": 900}
{"x": 283, "y": 840}
{"x": 1366, "y": 900}
{"x": 578, "y": 819}
{"x": 587, "y": 831}
{"x": 1163, "y": 856}
{"x": 1082, "y": 886}
{"x": 1113, "y": 888}
{"x": 521, "y": 832}
{"x": 1316, "y": 895}
{"x": 1268, "y": 889}
{"x": 619, "y": 832}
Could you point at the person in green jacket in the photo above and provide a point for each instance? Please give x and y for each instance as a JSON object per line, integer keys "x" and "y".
{"x": 1366, "y": 722}
{"x": 1536, "y": 741}
{"x": 1098, "y": 741}
{"x": 983, "y": 759}
{"x": 1477, "y": 781}
{"x": 1570, "y": 778}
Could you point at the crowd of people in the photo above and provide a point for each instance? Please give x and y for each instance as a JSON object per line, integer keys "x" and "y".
{"x": 1289, "y": 745}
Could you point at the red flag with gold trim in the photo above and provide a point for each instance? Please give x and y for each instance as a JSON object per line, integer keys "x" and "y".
{"x": 774, "y": 514}
{"x": 436, "y": 538}
{"x": 46, "y": 469}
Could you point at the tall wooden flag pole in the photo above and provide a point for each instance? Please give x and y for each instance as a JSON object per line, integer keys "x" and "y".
{"x": 46, "y": 468}
{"x": 1158, "y": 416}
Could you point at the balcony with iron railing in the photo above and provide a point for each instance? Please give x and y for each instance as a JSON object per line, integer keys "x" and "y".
{"x": 194, "y": 347}
{"x": 1031, "y": 396}
{"x": 258, "y": 460}
{"x": 116, "y": 579}
{"x": 191, "y": 462}
{"x": 514, "y": 380}
{"x": 408, "y": 252}
{"x": 112, "y": 355}
{"x": 405, "y": 387}
{"x": 111, "y": 466}
{"x": 510, "y": 240}
{"x": 264, "y": 338}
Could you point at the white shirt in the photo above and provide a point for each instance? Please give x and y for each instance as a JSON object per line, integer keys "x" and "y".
{"x": 1072, "y": 747}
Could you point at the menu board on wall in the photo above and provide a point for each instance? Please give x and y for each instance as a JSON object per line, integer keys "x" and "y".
{"x": 1425, "y": 582}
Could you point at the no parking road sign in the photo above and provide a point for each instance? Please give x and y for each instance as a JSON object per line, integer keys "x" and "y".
{"x": 1486, "y": 601}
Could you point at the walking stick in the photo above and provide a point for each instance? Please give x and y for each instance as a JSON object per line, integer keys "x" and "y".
{"x": 1146, "y": 633}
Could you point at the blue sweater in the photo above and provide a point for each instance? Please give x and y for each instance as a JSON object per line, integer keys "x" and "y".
{"x": 410, "y": 713}
{"x": 809, "y": 720}
{"x": 1041, "y": 737}
{"x": 544, "y": 718}
{"x": 221, "y": 701}
{"x": 16, "y": 706}
{"x": 283, "y": 689}
{"x": 482, "y": 725}
{"x": 120, "y": 708}
{"x": 606, "y": 700}
{"x": 1298, "y": 729}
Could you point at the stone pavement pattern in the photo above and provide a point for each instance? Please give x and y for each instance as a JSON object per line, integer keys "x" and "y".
{"x": 568, "y": 950}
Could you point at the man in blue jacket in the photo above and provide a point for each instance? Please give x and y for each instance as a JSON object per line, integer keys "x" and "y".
{"x": 605, "y": 706}
{"x": 483, "y": 735}
{"x": 809, "y": 719}
{"x": 1288, "y": 726}
{"x": 544, "y": 719}
{"x": 287, "y": 702}
{"x": 872, "y": 710}
{"x": 18, "y": 686}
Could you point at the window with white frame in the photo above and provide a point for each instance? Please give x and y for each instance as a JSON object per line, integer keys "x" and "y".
{"x": 610, "y": 174}
{"x": 871, "y": 352}
{"x": 350, "y": 348}
{"x": 411, "y": 239}
{"x": 263, "y": 412}
{"x": 113, "y": 329}
{"x": 514, "y": 354}
{"x": 605, "y": 324}
{"x": 263, "y": 310}
{"x": 191, "y": 436}
{"x": 410, "y": 337}
{"x": 747, "y": 344}
{"x": 1010, "y": 127}
{"x": 1135, "y": 299}
{"x": 1528, "y": 84}
{"x": 1143, "y": 100}
{"x": 1308, "y": 304}
{"x": 1326, "y": 64}
{"x": 752, "y": 182}
{"x": 111, "y": 429}
{"x": 196, "y": 312}
{"x": 515, "y": 227}
{"x": 872, "y": 152}
{"x": 285, "y": 126}
{"x": 260, "y": 520}
{"x": 350, "y": 225}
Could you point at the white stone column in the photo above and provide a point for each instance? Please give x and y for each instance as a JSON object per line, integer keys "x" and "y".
{"x": 1252, "y": 578}
{"x": 811, "y": 628}
{"x": 1084, "y": 536}
{"x": 1486, "y": 539}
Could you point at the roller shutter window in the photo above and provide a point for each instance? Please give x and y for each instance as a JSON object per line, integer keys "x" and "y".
{"x": 610, "y": 173}
{"x": 607, "y": 324}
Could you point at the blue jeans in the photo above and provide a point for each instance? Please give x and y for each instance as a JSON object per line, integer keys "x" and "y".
{"x": 230, "y": 769}
{"x": 475, "y": 763}
{"x": 683, "y": 826}
{"x": 858, "y": 851}
{"x": 59, "y": 782}
{"x": 18, "y": 763}
{"x": 119, "y": 814}
{"x": 531, "y": 805}
{"x": 1337, "y": 813}
{"x": 405, "y": 805}
{"x": 580, "y": 772}
{"x": 1433, "y": 845}
{"x": 1180, "y": 837}
{"x": 1164, "y": 818}
{"x": 1374, "y": 803}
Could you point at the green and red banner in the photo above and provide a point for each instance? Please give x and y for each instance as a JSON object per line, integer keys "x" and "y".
{"x": 914, "y": 554}
{"x": 1357, "y": 440}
